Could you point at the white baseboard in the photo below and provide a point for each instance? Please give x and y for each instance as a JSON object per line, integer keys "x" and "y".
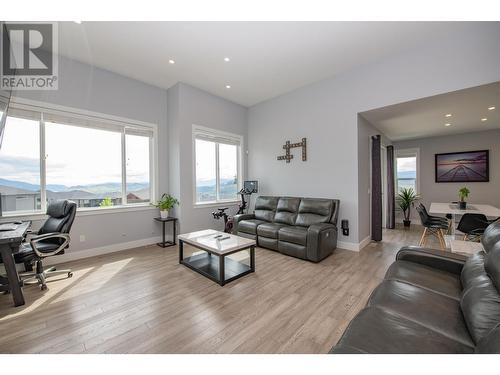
{"x": 365, "y": 242}
{"x": 82, "y": 254}
{"x": 353, "y": 246}
{"x": 88, "y": 253}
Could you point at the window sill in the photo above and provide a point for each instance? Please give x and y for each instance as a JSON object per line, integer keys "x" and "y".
{"x": 79, "y": 212}
{"x": 216, "y": 204}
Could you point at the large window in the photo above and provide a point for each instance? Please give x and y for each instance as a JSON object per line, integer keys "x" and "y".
{"x": 217, "y": 166}
{"x": 20, "y": 166}
{"x": 95, "y": 163}
{"x": 138, "y": 168}
{"x": 407, "y": 169}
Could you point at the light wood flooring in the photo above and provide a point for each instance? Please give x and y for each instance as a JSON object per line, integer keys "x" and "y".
{"x": 143, "y": 301}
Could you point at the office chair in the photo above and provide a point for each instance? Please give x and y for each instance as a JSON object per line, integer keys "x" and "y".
{"x": 52, "y": 239}
{"x": 432, "y": 227}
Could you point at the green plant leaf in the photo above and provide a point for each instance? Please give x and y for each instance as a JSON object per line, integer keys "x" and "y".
{"x": 166, "y": 202}
{"x": 406, "y": 199}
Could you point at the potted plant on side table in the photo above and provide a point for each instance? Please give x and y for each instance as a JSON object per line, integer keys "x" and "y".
{"x": 463, "y": 193}
{"x": 406, "y": 200}
{"x": 165, "y": 204}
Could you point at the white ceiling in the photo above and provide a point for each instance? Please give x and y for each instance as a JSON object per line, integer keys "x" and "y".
{"x": 427, "y": 117}
{"x": 267, "y": 58}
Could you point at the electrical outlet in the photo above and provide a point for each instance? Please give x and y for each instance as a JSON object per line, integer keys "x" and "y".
{"x": 124, "y": 234}
{"x": 82, "y": 238}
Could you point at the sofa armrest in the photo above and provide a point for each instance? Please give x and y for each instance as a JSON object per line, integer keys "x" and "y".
{"x": 442, "y": 260}
{"x": 321, "y": 241}
{"x": 240, "y": 217}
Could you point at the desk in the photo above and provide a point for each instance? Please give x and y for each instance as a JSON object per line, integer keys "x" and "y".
{"x": 452, "y": 208}
{"x": 9, "y": 244}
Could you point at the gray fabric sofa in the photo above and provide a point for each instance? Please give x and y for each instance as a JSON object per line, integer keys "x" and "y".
{"x": 433, "y": 302}
{"x": 305, "y": 228}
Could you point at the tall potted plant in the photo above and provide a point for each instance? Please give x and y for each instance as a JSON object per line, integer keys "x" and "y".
{"x": 463, "y": 193}
{"x": 406, "y": 200}
{"x": 165, "y": 204}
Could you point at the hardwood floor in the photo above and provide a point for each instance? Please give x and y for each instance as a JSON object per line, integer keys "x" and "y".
{"x": 143, "y": 301}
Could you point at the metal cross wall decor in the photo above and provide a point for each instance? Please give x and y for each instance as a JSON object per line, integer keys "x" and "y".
{"x": 287, "y": 146}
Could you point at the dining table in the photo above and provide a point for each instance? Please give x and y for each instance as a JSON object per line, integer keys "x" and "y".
{"x": 453, "y": 209}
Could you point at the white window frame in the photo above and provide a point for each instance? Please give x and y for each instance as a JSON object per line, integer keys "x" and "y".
{"x": 405, "y": 153}
{"x": 110, "y": 120}
{"x": 202, "y": 132}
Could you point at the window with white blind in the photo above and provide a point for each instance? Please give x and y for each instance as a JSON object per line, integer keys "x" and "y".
{"x": 217, "y": 166}
{"x": 96, "y": 162}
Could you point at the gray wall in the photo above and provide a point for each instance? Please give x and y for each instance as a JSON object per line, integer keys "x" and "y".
{"x": 85, "y": 87}
{"x": 190, "y": 106}
{"x": 326, "y": 113}
{"x": 481, "y": 192}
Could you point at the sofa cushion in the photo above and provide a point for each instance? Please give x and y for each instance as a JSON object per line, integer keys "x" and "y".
{"x": 297, "y": 235}
{"x": 265, "y": 208}
{"x": 490, "y": 344}
{"x": 492, "y": 265}
{"x": 292, "y": 249}
{"x": 491, "y": 236}
{"x": 268, "y": 243}
{"x": 376, "y": 330}
{"x": 269, "y": 230}
{"x": 286, "y": 211}
{"x": 432, "y": 310}
{"x": 314, "y": 211}
{"x": 247, "y": 235}
{"x": 249, "y": 226}
{"x": 473, "y": 272}
{"x": 481, "y": 308}
{"x": 445, "y": 283}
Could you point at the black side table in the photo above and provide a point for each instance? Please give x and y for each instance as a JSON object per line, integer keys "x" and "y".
{"x": 163, "y": 221}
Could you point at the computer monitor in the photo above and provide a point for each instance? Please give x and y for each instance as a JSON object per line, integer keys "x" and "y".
{"x": 251, "y": 187}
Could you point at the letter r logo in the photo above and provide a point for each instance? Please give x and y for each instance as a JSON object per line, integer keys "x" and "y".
{"x": 27, "y": 49}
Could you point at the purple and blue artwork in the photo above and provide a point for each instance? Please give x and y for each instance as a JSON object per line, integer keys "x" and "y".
{"x": 470, "y": 166}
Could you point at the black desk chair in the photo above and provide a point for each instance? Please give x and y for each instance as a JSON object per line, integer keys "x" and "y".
{"x": 433, "y": 225}
{"x": 473, "y": 226}
{"x": 52, "y": 239}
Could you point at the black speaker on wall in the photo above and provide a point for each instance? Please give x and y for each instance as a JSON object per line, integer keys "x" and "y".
{"x": 345, "y": 227}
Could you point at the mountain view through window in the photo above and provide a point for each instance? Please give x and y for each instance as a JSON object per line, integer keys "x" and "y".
{"x": 82, "y": 164}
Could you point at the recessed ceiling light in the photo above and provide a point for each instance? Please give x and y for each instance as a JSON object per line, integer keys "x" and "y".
{"x": 484, "y": 119}
{"x": 171, "y": 61}
{"x": 78, "y": 22}
{"x": 228, "y": 86}
{"x": 491, "y": 108}
{"x": 227, "y": 59}
{"x": 447, "y": 124}
{"x": 447, "y": 115}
